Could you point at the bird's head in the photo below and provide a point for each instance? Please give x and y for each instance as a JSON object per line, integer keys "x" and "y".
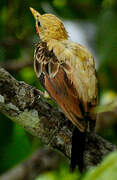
{"x": 48, "y": 26}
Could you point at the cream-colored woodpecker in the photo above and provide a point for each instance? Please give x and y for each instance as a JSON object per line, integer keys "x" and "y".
{"x": 69, "y": 77}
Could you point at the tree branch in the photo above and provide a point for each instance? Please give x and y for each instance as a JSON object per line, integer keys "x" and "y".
{"x": 22, "y": 104}
{"x": 42, "y": 160}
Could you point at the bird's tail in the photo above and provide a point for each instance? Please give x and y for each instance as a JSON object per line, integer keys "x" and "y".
{"x": 78, "y": 147}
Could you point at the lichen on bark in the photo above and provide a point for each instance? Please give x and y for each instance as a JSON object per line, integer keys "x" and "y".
{"x": 22, "y": 104}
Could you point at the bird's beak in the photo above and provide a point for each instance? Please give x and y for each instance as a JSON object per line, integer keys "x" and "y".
{"x": 35, "y": 13}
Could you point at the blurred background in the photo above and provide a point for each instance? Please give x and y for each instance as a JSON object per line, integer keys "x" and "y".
{"x": 92, "y": 24}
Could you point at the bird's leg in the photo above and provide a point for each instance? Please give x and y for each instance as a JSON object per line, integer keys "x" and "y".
{"x": 78, "y": 147}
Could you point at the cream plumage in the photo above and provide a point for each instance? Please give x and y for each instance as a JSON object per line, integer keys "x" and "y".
{"x": 69, "y": 72}
{"x": 78, "y": 64}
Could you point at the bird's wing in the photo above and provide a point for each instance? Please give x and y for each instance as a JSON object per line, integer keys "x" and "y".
{"x": 62, "y": 91}
{"x": 78, "y": 64}
{"x": 65, "y": 81}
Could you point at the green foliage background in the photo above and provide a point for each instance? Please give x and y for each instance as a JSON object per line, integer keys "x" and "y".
{"x": 17, "y": 37}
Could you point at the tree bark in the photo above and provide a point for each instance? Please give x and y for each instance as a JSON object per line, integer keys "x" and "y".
{"x": 23, "y": 104}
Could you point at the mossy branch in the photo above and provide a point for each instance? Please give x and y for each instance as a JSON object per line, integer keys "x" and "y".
{"x": 23, "y": 104}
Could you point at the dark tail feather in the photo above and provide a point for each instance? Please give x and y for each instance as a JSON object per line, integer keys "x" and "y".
{"x": 78, "y": 147}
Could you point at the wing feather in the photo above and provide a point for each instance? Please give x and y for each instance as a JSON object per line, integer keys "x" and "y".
{"x": 63, "y": 92}
{"x": 53, "y": 69}
{"x": 70, "y": 79}
{"x": 37, "y": 67}
{"x": 82, "y": 71}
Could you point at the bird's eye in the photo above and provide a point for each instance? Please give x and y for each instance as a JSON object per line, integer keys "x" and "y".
{"x": 39, "y": 24}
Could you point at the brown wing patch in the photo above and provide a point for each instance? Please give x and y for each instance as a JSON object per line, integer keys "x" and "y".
{"x": 45, "y": 60}
{"x": 66, "y": 97}
{"x": 37, "y": 68}
{"x": 66, "y": 67}
{"x": 61, "y": 87}
{"x": 53, "y": 69}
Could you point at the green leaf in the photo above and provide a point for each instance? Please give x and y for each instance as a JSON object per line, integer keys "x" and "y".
{"x": 107, "y": 170}
{"x": 63, "y": 174}
{"x": 46, "y": 176}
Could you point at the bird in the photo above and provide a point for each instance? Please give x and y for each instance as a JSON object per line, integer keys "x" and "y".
{"x": 67, "y": 72}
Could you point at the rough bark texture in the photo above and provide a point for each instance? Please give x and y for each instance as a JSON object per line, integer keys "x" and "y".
{"x": 23, "y": 104}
